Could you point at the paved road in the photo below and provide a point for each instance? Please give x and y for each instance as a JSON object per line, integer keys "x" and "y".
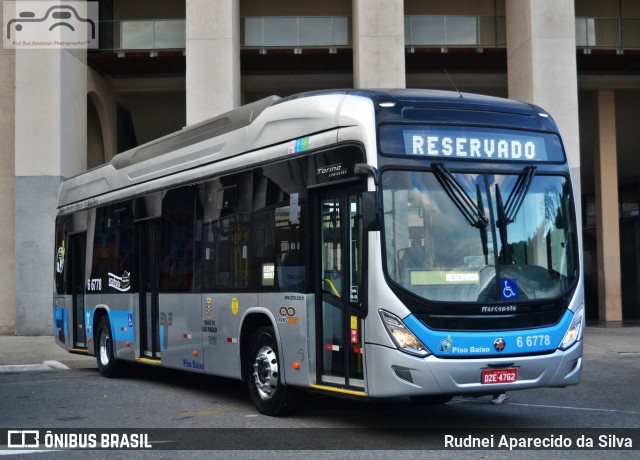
{"x": 219, "y": 412}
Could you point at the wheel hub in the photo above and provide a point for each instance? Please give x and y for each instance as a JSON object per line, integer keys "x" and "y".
{"x": 104, "y": 347}
{"x": 265, "y": 372}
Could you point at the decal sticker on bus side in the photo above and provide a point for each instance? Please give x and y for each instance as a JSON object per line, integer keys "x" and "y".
{"x": 299, "y": 145}
{"x": 120, "y": 324}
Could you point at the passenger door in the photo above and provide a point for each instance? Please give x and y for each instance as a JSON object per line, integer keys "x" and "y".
{"x": 339, "y": 307}
{"x": 148, "y": 247}
{"x": 77, "y": 257}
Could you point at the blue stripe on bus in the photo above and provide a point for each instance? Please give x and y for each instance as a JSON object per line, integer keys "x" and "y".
{"x": 488, "y": 343}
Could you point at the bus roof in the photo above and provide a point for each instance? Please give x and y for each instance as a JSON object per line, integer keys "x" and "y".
{"x": 433, "y": 98}
{"x": 271, "y": 121}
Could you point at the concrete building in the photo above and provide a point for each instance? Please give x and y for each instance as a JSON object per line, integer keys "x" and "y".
{"x": 163, "y": 64}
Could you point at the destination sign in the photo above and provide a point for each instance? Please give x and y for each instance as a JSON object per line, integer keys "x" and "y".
{"x": 456, "y": 142}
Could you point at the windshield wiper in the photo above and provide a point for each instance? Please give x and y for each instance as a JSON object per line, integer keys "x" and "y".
{"x": 517, "y": 195}
{"x": 472, "y": 212}
{"x": 508, "y": 211}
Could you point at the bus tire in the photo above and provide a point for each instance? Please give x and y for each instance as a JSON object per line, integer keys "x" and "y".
{"x": 108, "y": 365}
{"x": 431, "y": 400}
{"x": 262, "y": 369}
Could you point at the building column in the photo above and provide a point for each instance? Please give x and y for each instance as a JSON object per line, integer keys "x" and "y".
{"x": 378, "y": 44}
{"x": 50, "y": 145}
{"x": 607, "y": 218}
{"x": 213, "y": 58}
{"x": 7, "y": 191}
{"x": 541, "y": 64}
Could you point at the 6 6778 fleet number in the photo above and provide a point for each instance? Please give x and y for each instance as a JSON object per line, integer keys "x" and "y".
{"x": 533, "y": 340}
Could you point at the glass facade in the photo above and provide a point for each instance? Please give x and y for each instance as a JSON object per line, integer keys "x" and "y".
{"x": 306, "y": 31}
{"x": 275, "y": 31}
{"x": 474, "y": 31}
{"x": 161, "y": 34}
{"x": 334, "y": 31}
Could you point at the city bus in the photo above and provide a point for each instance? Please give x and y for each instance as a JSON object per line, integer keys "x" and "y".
{"x": 367, "y": 244}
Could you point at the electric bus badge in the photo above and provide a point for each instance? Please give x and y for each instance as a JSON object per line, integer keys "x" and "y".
{"x": 499, "y": 344}
{"x": 445, "y": 344}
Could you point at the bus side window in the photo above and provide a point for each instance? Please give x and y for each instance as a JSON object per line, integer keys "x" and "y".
{"x": 279, "y": 202}
{"x": 181, "y": 215}
{"x": 112, "y": 249}
{"x": 226, "y": 232}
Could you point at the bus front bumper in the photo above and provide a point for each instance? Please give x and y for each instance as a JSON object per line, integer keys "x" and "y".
{"x": 394, "y": 373}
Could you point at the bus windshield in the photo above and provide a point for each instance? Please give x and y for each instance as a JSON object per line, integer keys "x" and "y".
{"x": 462, "y": 237}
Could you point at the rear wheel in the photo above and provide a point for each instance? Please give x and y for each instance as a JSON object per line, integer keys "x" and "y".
{"x": 108, "y": 365}
{"x": 262, "y": 374}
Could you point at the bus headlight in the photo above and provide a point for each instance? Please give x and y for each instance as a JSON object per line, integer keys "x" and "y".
{"x": 402, "y": 336}
{"x": 574, "y": 333}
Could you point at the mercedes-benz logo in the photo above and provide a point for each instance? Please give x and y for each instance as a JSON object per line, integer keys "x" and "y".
{"x": 499, "y": 344}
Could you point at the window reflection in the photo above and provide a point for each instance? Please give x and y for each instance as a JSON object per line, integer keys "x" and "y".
{"x": 433, "y": 251}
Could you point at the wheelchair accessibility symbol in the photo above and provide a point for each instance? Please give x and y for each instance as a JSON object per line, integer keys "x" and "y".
{"x": 509, "y": 289}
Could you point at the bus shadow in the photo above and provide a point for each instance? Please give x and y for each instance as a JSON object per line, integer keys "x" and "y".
{"x": 404, "y": 413}
{"x": 329, "y": 410}
{"x": 225, "y": 388}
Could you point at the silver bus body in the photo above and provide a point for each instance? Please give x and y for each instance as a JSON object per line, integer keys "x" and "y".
{"x": 205, "y": 331}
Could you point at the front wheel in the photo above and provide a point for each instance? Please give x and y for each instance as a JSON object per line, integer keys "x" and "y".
{"x": 262, "y": 374}
{"x": 108, "y": 365}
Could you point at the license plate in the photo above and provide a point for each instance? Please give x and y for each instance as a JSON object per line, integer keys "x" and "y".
{"x": 490, "y": 376}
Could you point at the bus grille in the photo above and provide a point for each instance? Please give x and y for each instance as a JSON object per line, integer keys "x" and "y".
{"x": 491, "y": 323}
